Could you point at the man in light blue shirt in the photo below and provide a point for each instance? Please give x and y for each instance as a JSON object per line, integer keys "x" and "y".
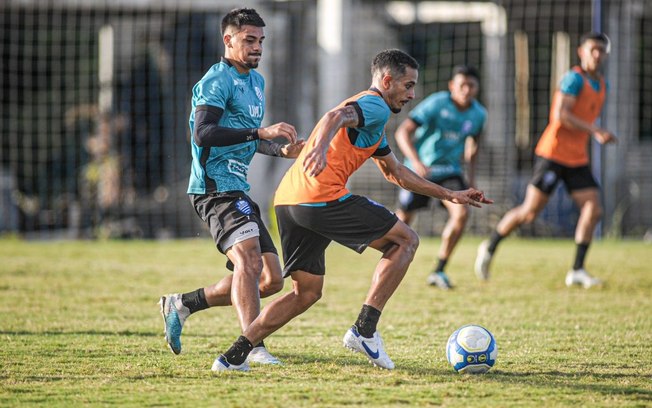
{"x": 441, "y": 131}
{"x": 228, "y": 105}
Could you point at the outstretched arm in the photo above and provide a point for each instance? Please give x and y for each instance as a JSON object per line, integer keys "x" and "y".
{"x": 398, "y": 174}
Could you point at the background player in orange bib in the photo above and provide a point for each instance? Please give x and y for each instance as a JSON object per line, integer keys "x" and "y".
{"x": 561, "y": 155}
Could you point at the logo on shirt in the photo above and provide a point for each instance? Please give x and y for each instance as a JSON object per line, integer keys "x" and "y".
{"x": 237, "y": 168}
{"x": 467, "y": 126}
{"x": 259, "y": 93}
{"x": 256, "y": 111}
{"x": 445, "y": 113}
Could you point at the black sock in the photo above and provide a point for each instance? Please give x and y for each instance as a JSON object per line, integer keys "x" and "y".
{"x": 367, "y": 321}
{"x": 239, "y": 351}
{"x": 441, "y": 265}
{"x": 494, "y": 240}
{"x": 261, "y": 344}
{"x": 195, "y": 301}
{"x": 580, "y": 254}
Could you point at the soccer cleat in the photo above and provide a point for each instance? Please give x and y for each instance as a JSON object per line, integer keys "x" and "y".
{"x": 173, "y": 321}
{"x": 372, "y": 347}
{"x": 482, "y": 261}
{"x": 220, "y": 364}
{"x": 260, "y": 355}
{"x": 581, "y": 277}
{"x": 439, "y": 279}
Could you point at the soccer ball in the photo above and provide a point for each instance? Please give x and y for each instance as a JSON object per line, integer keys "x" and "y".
{"x": 472, "y": 349}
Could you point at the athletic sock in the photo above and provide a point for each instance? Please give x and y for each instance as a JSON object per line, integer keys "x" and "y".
{"x": 261, "y": 344}
{"x": 494, "y": 240}
{"x": 441, "y": 265}
{"x": 580, "y": 255}
{"x": 195, "y": 300}
{"x": 367, "y": 321}
{"x": 239, "y": 351}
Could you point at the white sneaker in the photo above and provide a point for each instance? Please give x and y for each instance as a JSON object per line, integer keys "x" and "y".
{"x": 373, "y": 347}
{"x": 581, "y": 277}
{"x": 220, "y": 364}
{"x": 482, "y": 261}
{"x": 260, "y": 355}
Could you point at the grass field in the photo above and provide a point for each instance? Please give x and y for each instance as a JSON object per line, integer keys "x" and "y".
{"x": 80, "y": 326}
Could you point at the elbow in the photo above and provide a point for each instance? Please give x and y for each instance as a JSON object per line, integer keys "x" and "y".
{"x": 197, "y": 137}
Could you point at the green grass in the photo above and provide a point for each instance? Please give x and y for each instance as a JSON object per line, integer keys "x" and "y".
{"x": 80, "y": 326}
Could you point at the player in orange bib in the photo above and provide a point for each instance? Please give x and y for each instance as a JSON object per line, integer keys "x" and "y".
{"x": 561, "y": 155}
{"x": 314, "y": 207}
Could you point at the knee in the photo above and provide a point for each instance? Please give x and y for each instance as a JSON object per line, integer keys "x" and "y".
{"x": 270, "y": 285}
{"x": 528, "y": 216}
{"x": 250, "y": 263}
{"x": 594, "y": 209}
{"x": 411, "y": 243}
{"x": 308, "y": 297}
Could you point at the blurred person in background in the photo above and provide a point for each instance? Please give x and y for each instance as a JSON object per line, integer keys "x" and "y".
{"x": 562, "y": 155}
{"x": 440, "y": 131}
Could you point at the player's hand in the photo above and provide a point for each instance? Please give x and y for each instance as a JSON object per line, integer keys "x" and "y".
{"x": 280, "y": 129}
{"x": 314, "y": 162}
{"x": 471, "y": 197}
{"x": 604, "y": 137}
{"x": 292, "y": 150}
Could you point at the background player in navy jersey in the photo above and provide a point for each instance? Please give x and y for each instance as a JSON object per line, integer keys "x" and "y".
{"x": 228, "y": 105}
{"x": 439, "y": 132}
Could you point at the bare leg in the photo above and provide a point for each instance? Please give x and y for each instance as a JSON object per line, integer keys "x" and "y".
{"x": 398, "y": 247}
{"x": 247, "y": 259}
{"x": 535, "y": 201}
{"x": 271, "y": 281}
{"x": 307, "y": 290}
{"x": 457, "y": 217}
{"x": 588, "y": 201}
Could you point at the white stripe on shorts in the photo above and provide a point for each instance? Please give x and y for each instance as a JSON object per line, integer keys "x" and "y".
{"x": 249, "y": 230}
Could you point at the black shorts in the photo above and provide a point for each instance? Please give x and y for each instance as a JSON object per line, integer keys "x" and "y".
{"x": 231, "y": 213}
{"x": 306, "y": 231}
{"x": 547, "y": 175}
{"x": 409, "y": 201}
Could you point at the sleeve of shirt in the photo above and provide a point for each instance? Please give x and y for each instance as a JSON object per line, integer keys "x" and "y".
{"x": 571, "y": 83}
{"x": 425, "y": 111}
{"x": 215, "y": 90}
{"x": 374, "y": 111}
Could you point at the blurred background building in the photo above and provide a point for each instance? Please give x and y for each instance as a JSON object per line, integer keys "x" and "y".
{"x": 95, "y": 98}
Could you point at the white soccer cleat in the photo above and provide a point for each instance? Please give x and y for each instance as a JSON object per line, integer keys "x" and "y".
{"x": 372, "y": 347}
{"x": 220, "y": 364}
{"x": 581, "y": 277}
{"x": 482, "y": 261}
{"x": 260, "y": 355}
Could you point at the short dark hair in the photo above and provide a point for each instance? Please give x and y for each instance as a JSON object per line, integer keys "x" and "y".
{"x": 466, "y": 70}
{"x": 602, "y": 37}
{"x": 394, "y": 60}
{"x": 240, "y": 17}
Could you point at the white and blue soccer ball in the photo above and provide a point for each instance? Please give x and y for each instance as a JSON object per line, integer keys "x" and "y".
{"x": 472, "y": 349}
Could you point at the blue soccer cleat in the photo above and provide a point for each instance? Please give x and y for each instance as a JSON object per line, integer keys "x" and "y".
{"x": 173, "y": 321}
{"x": 220, "y": 364}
